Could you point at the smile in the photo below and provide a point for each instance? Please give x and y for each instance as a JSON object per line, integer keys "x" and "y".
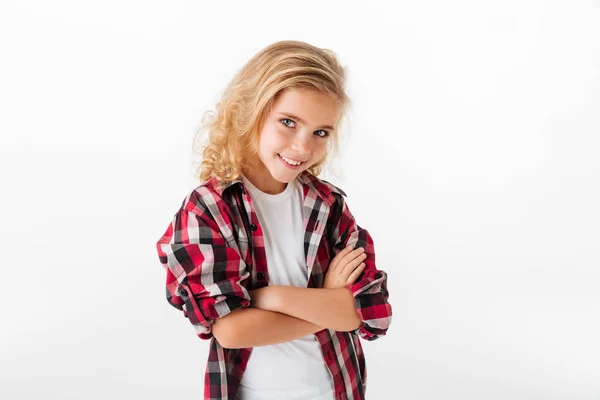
{"x": 290, "y": 163}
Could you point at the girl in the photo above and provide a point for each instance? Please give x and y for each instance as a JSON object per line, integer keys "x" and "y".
{"x": 264, "y": 258}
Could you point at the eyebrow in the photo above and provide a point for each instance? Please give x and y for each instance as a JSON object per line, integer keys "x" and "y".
{"x": 302, "y": 121}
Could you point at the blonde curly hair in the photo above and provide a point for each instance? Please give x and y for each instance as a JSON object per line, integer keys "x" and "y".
{"x": 234, "y": 130}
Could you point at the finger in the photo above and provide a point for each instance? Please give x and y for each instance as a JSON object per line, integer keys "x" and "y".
{"x": 354, "y": 263}
{"x": 354, "y": 276}
{"x": 352, "y": 256}
{"x": 358, "y": 252}
{"x": 336, "y": 260}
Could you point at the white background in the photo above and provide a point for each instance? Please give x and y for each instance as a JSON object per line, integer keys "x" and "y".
{"x": 471, "y": 157}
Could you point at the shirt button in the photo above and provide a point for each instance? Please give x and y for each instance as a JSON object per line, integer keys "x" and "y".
{"x": 261, "y": 275}
{"x": 252, "y": 227}
{"x": 183, "y": 292}
{"x": 238, "y": 360}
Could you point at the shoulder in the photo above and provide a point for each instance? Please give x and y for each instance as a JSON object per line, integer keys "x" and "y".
{"x": 212, "y": 204}
{"x": 206, "y": 198}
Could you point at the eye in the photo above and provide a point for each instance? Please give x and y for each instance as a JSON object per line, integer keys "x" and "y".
{"x": 283, "y": 121}
{"x": 286, "y": 119}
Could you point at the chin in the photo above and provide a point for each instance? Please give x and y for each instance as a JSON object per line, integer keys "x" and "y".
{"x": 287, "y": 178}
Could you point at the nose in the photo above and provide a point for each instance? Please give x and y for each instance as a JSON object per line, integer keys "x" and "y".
{"x": 301, "y": 144}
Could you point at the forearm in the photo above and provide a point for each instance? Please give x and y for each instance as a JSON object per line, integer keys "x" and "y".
{"x": 330, "y": 308}
{"x": 256, "y": 327}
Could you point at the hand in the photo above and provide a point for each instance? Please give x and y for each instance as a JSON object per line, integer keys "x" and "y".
{"x": 345, "y": 268}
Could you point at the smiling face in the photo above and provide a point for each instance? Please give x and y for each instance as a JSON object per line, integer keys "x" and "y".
{"x": 297, "y": 130}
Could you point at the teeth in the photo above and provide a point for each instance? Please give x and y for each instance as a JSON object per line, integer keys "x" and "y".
{"x": 291, "y": 162}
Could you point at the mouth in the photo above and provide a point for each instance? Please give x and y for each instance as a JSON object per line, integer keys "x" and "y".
{"x": 290, "y": 164}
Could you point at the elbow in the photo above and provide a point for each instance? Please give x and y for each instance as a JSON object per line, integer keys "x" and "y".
{"x": 222, "y": 334}
{"x": 225, "y": 331}
{"x": 356, "y": 323}
{"x": 229, "y": 341}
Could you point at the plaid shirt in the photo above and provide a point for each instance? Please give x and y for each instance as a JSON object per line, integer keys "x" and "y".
{"x": 213, "y": 254}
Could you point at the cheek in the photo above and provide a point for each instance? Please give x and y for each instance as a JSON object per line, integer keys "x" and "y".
{"x": 272, "y": 138}
{"x": 321, "y": 149}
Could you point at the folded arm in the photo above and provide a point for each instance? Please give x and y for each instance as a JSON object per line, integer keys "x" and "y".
{"x": 283, "y": 313}
{"x": 331, "y": 308}
{"x": 361, "y": 308}
{"x": 252, "y": 327}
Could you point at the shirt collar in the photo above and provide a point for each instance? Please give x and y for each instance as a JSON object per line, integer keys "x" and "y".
{"x": 322, "y": 188}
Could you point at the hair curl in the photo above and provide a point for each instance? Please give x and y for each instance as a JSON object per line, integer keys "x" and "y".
{"x": 234, "y": 130}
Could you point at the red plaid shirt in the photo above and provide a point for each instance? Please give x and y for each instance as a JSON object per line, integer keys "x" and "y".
{"x": 213, "y": 253}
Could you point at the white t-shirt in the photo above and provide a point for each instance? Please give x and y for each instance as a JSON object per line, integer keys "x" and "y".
{"x": 293, "y": 370}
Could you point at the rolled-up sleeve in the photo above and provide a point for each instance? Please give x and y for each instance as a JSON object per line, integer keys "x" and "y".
{"x": 204, "y": 274}
{"x": 370, "y": 289}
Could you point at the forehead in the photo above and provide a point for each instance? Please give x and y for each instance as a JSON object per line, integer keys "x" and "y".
{"x": 312, "y": 106}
